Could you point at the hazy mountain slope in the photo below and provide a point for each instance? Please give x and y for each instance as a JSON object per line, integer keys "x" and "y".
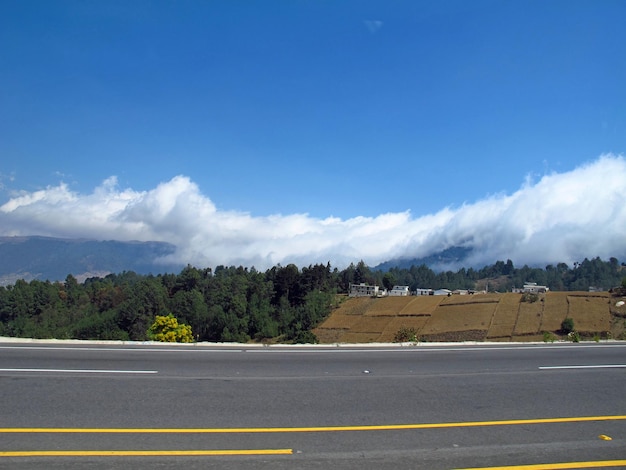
{"x": 46, "y": 258}
{"x": 450, "y": 258}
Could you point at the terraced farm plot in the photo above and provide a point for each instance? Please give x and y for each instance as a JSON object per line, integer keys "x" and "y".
{"x": 371, "y": 325}
{"x": 582, "y": 293}
{"x": 357, "y": 305}
{"x": 340, "y": 321}
{"x": 590, "y": 314}
{"x": 505, "y": 317}
{"x": 388, "y": 307}
{"x": 422, "y": 305}
{"x": 529, "y": 318}
{"x": 497, "y": 317}
{"x": 555, "y": 311}
{"x": 471, "y": 299}
{"x": 460, "y": 317}
{"x": 390, "y": 330}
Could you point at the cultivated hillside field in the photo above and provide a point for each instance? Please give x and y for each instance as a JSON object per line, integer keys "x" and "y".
{"x": 478, "y": 317}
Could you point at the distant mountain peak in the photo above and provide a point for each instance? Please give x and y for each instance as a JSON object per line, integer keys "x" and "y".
{"x": 449, "y": 258}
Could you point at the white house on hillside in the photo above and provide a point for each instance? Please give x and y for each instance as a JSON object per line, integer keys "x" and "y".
{"x": 362, "y": 290}
{"x": 400, "y": 291}
{"x": 531, "y": 287}
{"x": 420, "y": 291}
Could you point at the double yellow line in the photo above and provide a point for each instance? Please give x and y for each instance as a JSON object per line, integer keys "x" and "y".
{"x": 256, "y": 430}
{"x": 144, "y": 453}
{"x": 381, "y": 427}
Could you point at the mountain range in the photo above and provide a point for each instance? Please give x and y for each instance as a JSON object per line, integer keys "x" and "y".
{"x": 46, "y": 258}
{"x": 448, "y": 259}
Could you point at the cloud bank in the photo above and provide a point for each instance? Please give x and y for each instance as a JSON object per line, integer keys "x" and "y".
{"x": 562, "y": 217}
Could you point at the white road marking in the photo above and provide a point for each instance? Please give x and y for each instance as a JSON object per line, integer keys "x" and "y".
{"x": 84, "y": 371}
{"x": 318, "y": 349}
{"x": 116, "y": 349}
{"x": 596, "y": 366}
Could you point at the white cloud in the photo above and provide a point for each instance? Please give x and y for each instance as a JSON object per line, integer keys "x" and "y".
{"x": 563, "y": 217}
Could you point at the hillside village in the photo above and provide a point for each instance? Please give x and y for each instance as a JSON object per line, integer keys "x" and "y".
{"x": 367, "y": 290}
{"x": 531, "y": 313}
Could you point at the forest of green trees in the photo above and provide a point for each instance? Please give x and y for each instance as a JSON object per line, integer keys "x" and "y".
{"x": 240, "y": 304}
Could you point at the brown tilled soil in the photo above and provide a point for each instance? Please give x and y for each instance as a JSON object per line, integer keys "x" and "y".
{"x": 478, "y": 317}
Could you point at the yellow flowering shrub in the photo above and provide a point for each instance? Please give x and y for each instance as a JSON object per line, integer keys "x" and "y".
{"x": 167, "y": 329}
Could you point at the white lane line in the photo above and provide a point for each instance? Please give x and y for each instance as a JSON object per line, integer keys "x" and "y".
{"x": 115, "y": 349}
{"x": 596, "y": 366}
{"x": 84, "y": 371}
{"x": 324, "y": 349}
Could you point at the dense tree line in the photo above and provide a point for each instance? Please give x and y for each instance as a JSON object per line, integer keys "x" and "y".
{"x": 230, "y": 304}
{"x": 239, "y": 304}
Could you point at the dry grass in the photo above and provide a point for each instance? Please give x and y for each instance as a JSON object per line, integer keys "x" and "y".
{"x": 500, "y": 339}
{"x": 505, "y": 316}
{"x": 340, "y": 321}
{"x": 499, "y": 334}
{"x": 590, "y": 314}
{"x": 583, "y": 293}
{"x": 456, "y": 336}
{"x": 326, "y": 336}
{"x": 529, "y": 318}
{"x": 422, "y": 305}
{"x": 357, "y": 305}
{"x": 499, "y": 317}
{"x": 471, "y": 299}
{"x": 460, "y": 318}
{"x": 371, "y": 325}
{"x": 396, "y": 323}
{"x": 527, "y": 338}
{"x": 388, "y": 306}
{"x": 360, "y": 338}
{"x": 555, "y": 311}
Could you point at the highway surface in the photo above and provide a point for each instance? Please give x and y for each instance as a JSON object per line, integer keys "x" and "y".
{"x": 94, "y": 406}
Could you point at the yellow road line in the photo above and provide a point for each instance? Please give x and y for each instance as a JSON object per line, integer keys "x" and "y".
{"x": 557, "y": 466}
{"x": 382, "y": 427}
{"x": 143, "y": 453}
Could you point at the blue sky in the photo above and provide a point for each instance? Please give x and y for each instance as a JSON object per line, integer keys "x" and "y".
{"x": 297, "y": 116}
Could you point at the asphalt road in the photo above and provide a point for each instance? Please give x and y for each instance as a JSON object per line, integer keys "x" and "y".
{"x": 422, "y": 407}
